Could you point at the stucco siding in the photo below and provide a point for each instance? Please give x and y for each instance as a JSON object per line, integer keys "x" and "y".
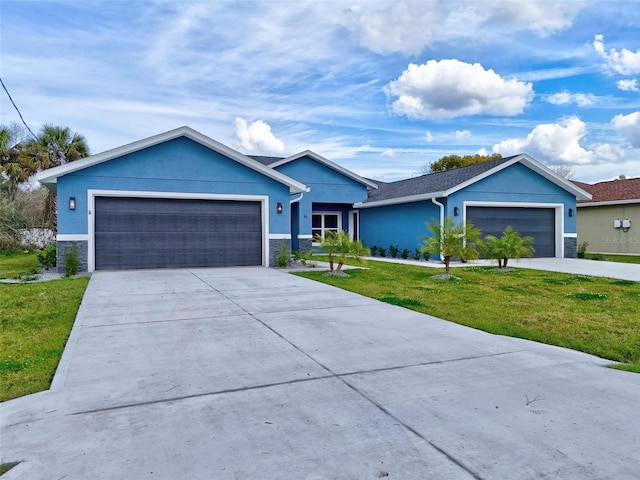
{"x": 180, "y": 166}
{"x": 329, "y": 191}
{"x": 595, "y": 226}
{"x": 517, "y": 184}
{"x": 401, "y": 225}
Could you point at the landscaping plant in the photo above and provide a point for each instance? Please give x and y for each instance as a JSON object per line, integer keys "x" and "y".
{"x": 71, "y": 262}
{"x": 338, "y": 244}
{"x": 452, "y": 239}
{"x": 283, "y": 256}
{"x": 510, "y": 245}
{"x": 47, "y": 257}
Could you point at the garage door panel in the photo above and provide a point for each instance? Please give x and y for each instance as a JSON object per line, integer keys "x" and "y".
{"x": 173, "y": 233}
{"x": 538, "y": 223}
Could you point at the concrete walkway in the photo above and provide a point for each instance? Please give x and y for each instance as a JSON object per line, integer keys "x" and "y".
{"x": 622, "y": 271}
{"x": 252, "y": 373}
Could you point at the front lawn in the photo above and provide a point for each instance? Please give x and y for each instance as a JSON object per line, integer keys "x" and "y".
{"x": 610, "y": 257}
{"x": 590, "y": 314}
{"x": 35, "y": 322}
{"x": 14, "y": 263}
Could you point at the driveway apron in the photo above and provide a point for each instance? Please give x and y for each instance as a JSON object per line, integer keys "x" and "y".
{"x": 252, "y": 373}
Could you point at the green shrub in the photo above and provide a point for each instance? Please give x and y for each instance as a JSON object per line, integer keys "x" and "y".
{"x": 405, "y": 253}
{"x": 382, "y": 251}
{"x": 71, "y": 262}
{"x": 283, "y": 256}
{"x": 393, "y": 251}
{"x": 582, "y": 249}
{"x": 374, "y": 250}
{"x": 417, "y": 254}
{"x": 47, "y": 257}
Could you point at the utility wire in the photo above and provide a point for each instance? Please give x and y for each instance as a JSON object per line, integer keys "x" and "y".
{"x": 17, "y": 110}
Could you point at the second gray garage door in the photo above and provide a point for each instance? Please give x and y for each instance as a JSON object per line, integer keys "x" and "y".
{"x": 135, "y": 233}
{"x": 538, "y": 223}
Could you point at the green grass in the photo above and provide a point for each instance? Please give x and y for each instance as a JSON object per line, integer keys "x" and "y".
{"x": 609, "y": 257}
{"x": 34, "y": 326}
{"x": 14, "y": 263}
{"x": 591, "y": 314}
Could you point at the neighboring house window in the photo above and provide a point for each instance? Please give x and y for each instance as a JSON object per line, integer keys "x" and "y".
{"x": 321, "y": 223}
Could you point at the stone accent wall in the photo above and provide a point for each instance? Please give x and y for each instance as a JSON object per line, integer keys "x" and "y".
{"x": 305, "y": 244}
{"x": 63, "y": 247}
{"x": 570, "y": 247}
{"x": 274, "y": 250}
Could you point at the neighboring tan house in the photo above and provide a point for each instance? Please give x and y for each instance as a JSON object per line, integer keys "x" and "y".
{"x": 181, "y": 199}
{"x": 610, "y": 221}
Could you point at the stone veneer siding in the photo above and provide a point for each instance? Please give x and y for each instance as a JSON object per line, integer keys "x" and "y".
{"x": 305, "y": 244}
{"x": 63, "y": 247}
{"x": 570, "y": 247}
{"x": 274, "y": 249}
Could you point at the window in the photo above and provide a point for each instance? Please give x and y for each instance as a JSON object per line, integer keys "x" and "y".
{"x": 321, "y": 223}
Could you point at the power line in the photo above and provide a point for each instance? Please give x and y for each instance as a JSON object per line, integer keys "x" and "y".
{"x": 17, "y": 109}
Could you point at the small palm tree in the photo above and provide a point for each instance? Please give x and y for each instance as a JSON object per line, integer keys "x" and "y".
{"x": 339, "y": 244}
{"x": 451, "y": 239}
{"x": 62, "y": 144}
{"x": 510, "y": 245}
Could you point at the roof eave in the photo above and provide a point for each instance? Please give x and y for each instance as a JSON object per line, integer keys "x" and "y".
{"x": 609, "y": 203}
{"x": 399, "y": 200}
{"x": 50, "y": 176}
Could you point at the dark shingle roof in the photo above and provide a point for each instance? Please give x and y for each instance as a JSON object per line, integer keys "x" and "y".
{"x": 611, "y": 191}
{"x": 265, "y": 160}
{"x": 431, "y": 183}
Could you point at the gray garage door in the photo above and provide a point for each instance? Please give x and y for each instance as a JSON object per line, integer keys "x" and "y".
{"x": 538, "y": 223}
{"x": 173, "y": 233}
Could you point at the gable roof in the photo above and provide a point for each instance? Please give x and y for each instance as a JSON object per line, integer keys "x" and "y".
{"x": 612, "y": 192}
{"x": 443, "y": 184}
{"x": 50, "y": 176}
{"x": 328, "y": 163}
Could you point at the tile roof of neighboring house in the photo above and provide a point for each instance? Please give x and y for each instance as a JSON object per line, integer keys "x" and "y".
{"x": 430, "y": 183}
{"x": 612, "y": 190}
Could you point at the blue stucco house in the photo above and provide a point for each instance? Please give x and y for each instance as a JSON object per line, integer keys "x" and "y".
{"x": 181, "y": 199}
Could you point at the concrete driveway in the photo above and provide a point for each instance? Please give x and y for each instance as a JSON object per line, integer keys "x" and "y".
{"x": 252, "y": 373}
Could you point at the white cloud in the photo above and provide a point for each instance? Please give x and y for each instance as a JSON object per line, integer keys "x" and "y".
{"x": 429, "y": 136}
{"x": 463, "y": 134}
{"x": 624, "y": 62}
{"x": 257, "y": 137}
{"x": 551, "y": 142}
{"x": 451, "y": 88}
{"x": 628, "y": 127}
{"x": 628, "y": 85}
{"x": 409, "y": 26}
{"x": 389, "y": 152}
{"x": 565, "y": 97}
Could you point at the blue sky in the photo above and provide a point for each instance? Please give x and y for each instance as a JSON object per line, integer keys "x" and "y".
{"x": 380, "y": 87}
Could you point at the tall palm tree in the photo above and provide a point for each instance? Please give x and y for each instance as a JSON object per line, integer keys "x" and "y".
{"x": 15, "y": 166}
{"x": 56, "y": 145}
{"x": 61, "y": 144}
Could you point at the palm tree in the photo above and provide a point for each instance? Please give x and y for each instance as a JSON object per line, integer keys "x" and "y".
{"x": 15, "y": 165}
{"x": 61, "y": 144}
{"x": 510, "y": 245}
{"x": 451, "y": 239}
{"x": 340, "y": 245}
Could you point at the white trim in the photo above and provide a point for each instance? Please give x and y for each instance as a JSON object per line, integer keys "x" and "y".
{"x": 305, "y": 237}
{"x": 353, "y": 224}
{"x": 399, "y": 200}
{"x": 72, "y": 237}
{"x": 609, "y": 203}
{"x": 559, "y": 217}
{"x": 328, "y": 163}
{"x": 570, "y": 235}
{"x": 92, "y": 194}
{"x": 323, "y": 213}
{"x": 279, "y": 236}
{"x": 50, "y": 176}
